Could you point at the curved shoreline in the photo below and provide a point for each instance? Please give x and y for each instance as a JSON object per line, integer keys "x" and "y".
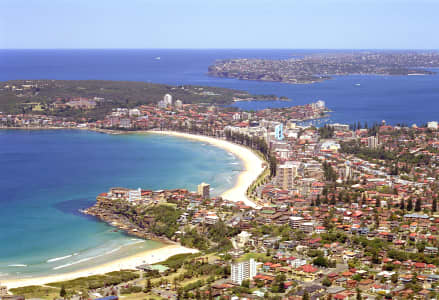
{"x": 252, "y": 163}
{"x": 253, "y": 168}
{"x": 150, "y": 257}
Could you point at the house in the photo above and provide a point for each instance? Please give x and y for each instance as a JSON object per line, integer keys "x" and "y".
{"x": 431, "y": 250}
{"x": 307, "y": 273}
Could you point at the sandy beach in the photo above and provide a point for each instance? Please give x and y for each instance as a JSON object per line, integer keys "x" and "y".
{"x": 150, "y": 257}
{"x": 253, "y": 164}
{"x": 253, "y": 167}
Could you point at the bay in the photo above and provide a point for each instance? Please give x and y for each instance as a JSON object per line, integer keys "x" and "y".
{"x": 48, "y": 175}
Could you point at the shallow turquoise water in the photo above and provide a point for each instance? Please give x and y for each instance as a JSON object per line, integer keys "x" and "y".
{"x": 46, "y": 176}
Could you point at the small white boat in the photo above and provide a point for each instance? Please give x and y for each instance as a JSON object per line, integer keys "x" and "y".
{"x": 157, "y": 58}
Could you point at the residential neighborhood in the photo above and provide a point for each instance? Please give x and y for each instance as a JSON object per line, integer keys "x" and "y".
{"x": 343, "y": 211}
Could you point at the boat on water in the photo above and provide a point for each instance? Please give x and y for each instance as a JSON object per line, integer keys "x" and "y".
{"x": 357, "y": 84}
{"x": 157, "y": 58}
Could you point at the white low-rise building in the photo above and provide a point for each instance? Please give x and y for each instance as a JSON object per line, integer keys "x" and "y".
{"x": 135, "y": 195}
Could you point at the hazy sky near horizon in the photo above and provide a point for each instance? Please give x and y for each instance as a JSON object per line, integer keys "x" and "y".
{"x": 292, "y": 24}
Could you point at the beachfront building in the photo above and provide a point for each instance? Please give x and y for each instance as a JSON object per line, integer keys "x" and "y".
{"x": 339, "y": 127}
{"x": 320, "y": 104}
{"x": 245, "y": 270}
{"x": 204, "y": 190}
{"x": 167, "y": 99}
{"x": 135, "y": 195}
{"x": 286, "y": 174}
{"x": 433, "y": 125}
{"x": 118, "y": 193}
{"x": 3, "y": 290}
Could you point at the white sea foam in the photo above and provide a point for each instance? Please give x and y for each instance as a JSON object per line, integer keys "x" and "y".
{"x": 76, "y": 262}
{"x": 92, "y": 257}
{"x": 112, "y": 251}
{"x": 59, "y": 258}
{"x": 17, "y": 265}
{"x": 134, "y": 241}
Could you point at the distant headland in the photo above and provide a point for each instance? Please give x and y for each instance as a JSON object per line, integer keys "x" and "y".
{"x": 320, "y": 67}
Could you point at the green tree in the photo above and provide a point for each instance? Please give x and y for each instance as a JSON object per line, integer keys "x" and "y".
{"x": 359, "y": 294}
{"x": 305, "y": 296}
{"x": 333, "y": 202}
{"x": 321, "y": 261}
{"x": 318, "y": 201}
{"x": 245, "y": 283}
{"x": 326, "y": 281}
{"x": 402, "y": 204}
{"x": 418, "y": 205}
{"x": 394, "y": 278}
{"x": 410, "y": 204}
{"x": 148, "y": 286}
{"x": 62, "y": 292}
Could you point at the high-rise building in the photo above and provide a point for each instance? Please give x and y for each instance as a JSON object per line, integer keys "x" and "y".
{"x": 279, "y": 132}
{"x": 286, "y": 173}
{"x": 245, "y": 270}
{"x": 372, "y": 142}
{"x": 204, "y": 190}
{"x": 167, "y": 99}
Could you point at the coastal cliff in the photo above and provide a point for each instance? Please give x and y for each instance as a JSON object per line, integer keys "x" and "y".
{"x": 124, "y": 218}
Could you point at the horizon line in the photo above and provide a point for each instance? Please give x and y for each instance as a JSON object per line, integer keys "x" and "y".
{"x": 287, "y": 49}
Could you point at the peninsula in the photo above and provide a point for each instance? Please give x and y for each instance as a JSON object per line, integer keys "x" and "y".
{"x": 320, "y": 67}
{"x": 76, "y": 99}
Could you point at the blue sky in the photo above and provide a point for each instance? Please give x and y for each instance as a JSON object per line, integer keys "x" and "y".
{"x": 291, "y": 24}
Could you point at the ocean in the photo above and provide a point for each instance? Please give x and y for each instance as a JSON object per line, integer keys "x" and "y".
{"x": 365, "y": 98}
{"x": 47, "y": 176}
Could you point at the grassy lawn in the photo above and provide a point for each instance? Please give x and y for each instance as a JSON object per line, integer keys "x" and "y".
{"x": 139, "y": 296}
{"x": 257, "y": 256}
{"x": 36, "y": 291}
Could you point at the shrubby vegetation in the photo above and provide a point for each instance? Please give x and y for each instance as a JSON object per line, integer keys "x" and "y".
{"x": 97, "y": 281}
{"x": 116, "y": 94}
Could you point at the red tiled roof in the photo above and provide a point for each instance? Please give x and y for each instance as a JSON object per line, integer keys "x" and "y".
{"x": 308, "y": 269}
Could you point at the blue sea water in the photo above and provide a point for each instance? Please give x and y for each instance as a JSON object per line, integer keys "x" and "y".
{"x": 396, "y": 99}
{"x": 46, "y": 176}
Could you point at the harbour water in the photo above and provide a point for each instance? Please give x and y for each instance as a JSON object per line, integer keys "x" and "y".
{"x": 365, "y": 98}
